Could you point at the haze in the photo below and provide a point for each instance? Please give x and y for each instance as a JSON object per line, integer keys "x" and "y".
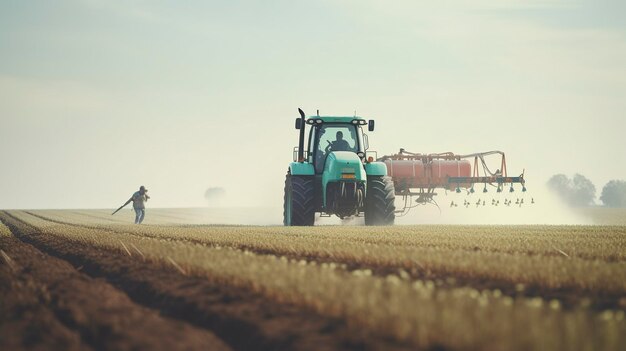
{"x": 100, "y": 97}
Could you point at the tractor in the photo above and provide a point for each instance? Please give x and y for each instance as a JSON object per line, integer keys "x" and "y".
{"x": 333, "y": 176}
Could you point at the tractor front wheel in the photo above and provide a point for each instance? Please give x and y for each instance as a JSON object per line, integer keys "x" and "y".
{"x": 379, "y": 201}
{"x": 299, "y": 205}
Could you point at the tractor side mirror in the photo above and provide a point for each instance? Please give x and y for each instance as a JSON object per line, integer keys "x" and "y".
{"x": 370, "y": 125}
{"x": 298, "y": 123}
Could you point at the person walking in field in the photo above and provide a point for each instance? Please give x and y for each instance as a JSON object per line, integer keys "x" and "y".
{"x": 138, "y": 199}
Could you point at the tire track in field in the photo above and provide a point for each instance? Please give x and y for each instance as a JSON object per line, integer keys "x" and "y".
{"x": 51, "y": 305}
{"x": 245, "y": 320}
{"x": 569, "y": 296}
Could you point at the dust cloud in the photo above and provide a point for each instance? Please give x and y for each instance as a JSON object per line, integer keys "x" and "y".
{"x": 546, "y": 209}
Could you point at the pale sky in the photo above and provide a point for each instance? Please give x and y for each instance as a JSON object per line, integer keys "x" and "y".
{"x": 100, "y": 97}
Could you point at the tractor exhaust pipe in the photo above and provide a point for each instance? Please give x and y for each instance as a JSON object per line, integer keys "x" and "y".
{"x": 301, "y": 140}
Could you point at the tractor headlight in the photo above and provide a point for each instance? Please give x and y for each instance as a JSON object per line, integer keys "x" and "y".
{"x": 314, "y": 121}
{"x": 361, "y": 154}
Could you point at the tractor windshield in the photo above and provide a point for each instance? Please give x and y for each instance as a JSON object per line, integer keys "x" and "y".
{"x": 335, "y": 137}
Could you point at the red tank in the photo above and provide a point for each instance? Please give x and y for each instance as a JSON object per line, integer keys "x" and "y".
{"x": 431, "y": 174}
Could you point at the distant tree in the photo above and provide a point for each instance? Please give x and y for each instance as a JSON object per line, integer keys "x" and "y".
{"x": 214, "y": 195}
{"x": 560, "y": 184}
{"x": 614, "y": 194}
{"x": 578, "y": 191}
{"x": 583, "y": 191}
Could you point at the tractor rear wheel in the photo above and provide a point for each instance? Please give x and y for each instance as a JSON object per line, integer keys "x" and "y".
{"x": 379, "y": 201}
{"x": 299, "y": 204}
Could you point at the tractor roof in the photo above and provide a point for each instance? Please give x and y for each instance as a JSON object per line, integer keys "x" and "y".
{"x": 337, "y": 119}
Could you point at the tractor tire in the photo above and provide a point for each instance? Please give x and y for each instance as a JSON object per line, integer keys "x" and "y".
{"x": 299, "y": 202}
{"x": 380, "y": 201}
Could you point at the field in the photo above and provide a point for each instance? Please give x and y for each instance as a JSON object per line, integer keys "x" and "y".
{"x": 86, "y": 280}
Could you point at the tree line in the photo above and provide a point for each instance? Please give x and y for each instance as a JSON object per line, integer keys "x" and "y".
{"x": 580, "y": 191}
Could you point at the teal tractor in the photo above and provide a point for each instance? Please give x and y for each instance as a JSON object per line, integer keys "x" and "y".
{"x": 334, "y": 177}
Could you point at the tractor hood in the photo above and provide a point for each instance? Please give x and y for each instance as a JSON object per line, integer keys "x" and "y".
{"x": 343, "y": 165}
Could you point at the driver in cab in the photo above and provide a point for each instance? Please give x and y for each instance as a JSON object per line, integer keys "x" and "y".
{"x": 338, "y": 145}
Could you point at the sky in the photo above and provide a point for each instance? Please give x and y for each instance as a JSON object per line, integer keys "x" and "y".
{"x": 100, "y": 97}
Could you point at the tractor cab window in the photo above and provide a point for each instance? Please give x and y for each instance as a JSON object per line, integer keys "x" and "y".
{"x": 334, "y": 138}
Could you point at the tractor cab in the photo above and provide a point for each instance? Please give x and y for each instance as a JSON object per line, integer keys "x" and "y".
{"x": 332, "y": 134}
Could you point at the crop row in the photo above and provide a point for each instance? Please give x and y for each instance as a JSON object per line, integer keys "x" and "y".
{"x": 4, "y": 231}
{"x": 412, "y": 310}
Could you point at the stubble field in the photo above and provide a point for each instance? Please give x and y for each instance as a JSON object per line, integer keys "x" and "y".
{"x": 86, "y": 280}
